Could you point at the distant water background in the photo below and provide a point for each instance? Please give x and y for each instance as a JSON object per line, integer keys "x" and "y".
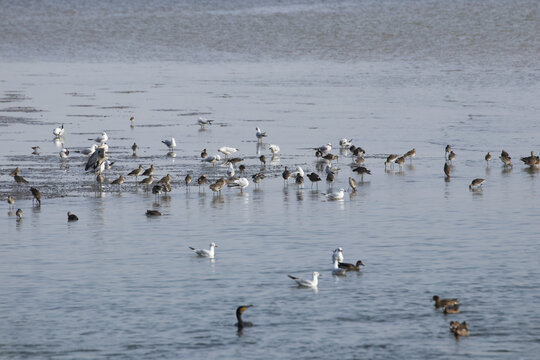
{"x": 391, "y": 75}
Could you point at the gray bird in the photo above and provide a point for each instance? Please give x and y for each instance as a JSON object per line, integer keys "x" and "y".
{"x": 96, "y": 160}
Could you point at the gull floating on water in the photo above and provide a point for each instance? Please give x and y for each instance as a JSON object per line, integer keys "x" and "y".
{"x": 313, "y": 283}
{"x": 171, "y": 144}
{"x": 59, "y": 131}
{"x": 338, "y": 195}
{"x": 337, "y": 255}
{"x": 336, "y": 270}
{"x": 205, "y": 253}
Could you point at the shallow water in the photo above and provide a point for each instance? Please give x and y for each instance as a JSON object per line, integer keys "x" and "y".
{"x": 119, "y": 284}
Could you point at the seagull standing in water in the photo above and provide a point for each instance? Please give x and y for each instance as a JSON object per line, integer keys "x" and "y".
{"x": 274, "y": 149}
{"x": 344, "y": 143}
{"x": 225, "y": 150}
{"x": 241, "y": 183}
{"x": 205, "y": 253}
{"x": 59, "y": 131}
{"x": 101, "y": 138}
{"x": 203, "y": 122}
{"x": 171, "y": 144}
{"x": 260, "y": 134}
{"x": 313, "y": 283}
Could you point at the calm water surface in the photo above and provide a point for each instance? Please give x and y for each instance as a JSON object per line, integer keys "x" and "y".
{"x": 117, "y": 284}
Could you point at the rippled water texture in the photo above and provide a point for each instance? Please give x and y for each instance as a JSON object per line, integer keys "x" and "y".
{"x": 391, "y": 75}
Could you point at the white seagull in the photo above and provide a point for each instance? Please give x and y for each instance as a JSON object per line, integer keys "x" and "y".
{"x": 336, "y": 270}
{"x": 59, "y": 131}
{"x": 336, "y": 195}
{"x": 241, "y": 183}
{"x": 64, "y": 153}
{"x": 330, "y": 170}
{"x": 260, "y": 134}
{"x": 299, "y": 171}
{"x": 225, "y": 150}
{"x": 337, "y": 255}
{"x": 230, "y": 171}
{"x": 213, "y": 159}
{"x": 171, "y": 144}
{"x": 274, "y": 149}
{"x": 344, "y": 143}
{"x": 325, "y": 148}
{"x": 313, "y": 283}
{"x": 90, "y": 150}
{"x": 101, "y": 138}
{"x": 204, "y": 121}
{"x": 205, "y": 253}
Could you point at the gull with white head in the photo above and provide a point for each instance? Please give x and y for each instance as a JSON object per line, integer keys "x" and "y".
{"x": 205, "y": 253}
{"x": 313, "y": 283}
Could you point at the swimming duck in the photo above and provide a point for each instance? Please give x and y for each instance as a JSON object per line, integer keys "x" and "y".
{"x": 352, "y": 267}
{"x": 444, "y": 302}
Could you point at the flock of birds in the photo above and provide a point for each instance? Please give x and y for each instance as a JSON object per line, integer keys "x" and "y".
{"x": 340, "y": 268}
{"x": 97, "y": 163}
